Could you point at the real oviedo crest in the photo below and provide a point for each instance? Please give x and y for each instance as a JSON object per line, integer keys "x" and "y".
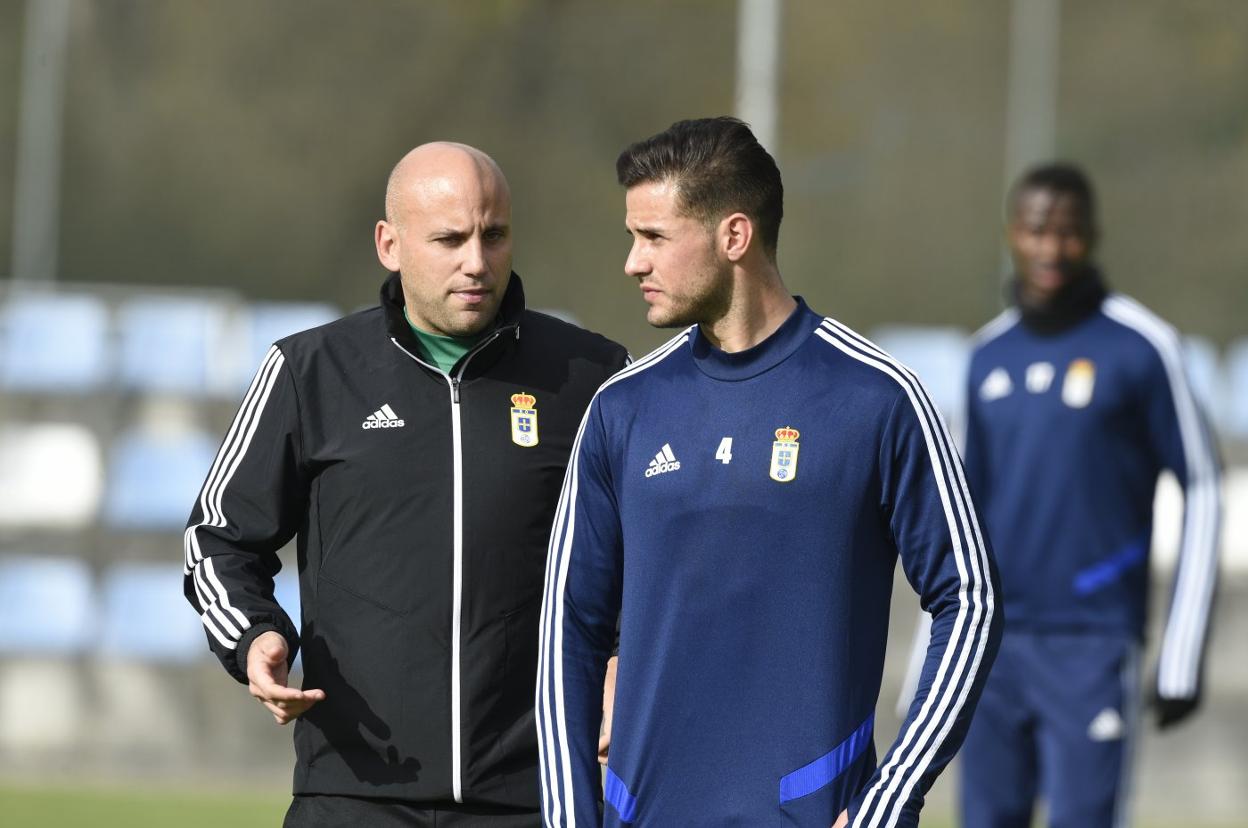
{"x": 1079, "y": 382}
{"x": 524, "y": 420}
{"x": 784, "y": 455}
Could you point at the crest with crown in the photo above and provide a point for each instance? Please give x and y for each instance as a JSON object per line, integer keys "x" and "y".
{"x": 523, "y": 400}
{"x": 788, "y": 434}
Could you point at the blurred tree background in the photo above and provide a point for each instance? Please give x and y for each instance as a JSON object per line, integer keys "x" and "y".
{"x": 246, "y": 144}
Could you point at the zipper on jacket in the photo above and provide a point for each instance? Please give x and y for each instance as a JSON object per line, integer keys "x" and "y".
{"x": 457, "y": 602}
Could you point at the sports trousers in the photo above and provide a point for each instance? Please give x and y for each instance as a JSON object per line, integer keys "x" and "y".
{"x": 1057, "y": 721}
{"x": 357, "y": 812}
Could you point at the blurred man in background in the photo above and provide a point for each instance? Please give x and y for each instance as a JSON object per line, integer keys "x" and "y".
{"x": 739, "y": 499}
{"x": 1077, "y": 400}
{"x": 416, "y": 449}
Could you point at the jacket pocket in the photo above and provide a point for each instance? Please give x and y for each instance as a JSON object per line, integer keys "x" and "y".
{"x": 359, "y": 593}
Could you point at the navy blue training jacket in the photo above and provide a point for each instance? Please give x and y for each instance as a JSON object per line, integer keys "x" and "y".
{"x": 743, "y": 514}
{"x": 1067, "y": 433}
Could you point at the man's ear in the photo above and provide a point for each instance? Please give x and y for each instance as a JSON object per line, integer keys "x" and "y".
{"x": 736, "y": 234}
{"x": 386, "y": 237}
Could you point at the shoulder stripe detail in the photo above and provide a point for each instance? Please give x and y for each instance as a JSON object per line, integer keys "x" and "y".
{"x": 553, "y": 755}
{"x": 960, "y": 662}
{"x": 1178, "y": 670}
{"x": 998, "y": 325}
{"x": 229, "y": 624}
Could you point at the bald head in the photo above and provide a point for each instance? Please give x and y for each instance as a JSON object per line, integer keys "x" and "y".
{"x": 447, "y": 232}
{"x": 434, "y": 168}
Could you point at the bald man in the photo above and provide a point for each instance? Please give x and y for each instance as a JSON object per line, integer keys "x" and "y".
{"x": 416, "y": 451}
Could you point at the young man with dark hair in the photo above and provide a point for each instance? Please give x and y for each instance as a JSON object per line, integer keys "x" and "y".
{"x": 739, "y": 499}
{"x": 1077, "y": 400}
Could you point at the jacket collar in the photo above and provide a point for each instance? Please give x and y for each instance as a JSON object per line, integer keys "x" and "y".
{"x": 741, "y": 365}
{"x": 510, "y": 312}
{"x": 1075, "y": 302}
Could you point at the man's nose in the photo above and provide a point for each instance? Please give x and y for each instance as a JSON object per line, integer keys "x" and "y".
{"x": 636, "y": 263}
{"x": 474, "y": 256}
{"x": 1049, "y": 246}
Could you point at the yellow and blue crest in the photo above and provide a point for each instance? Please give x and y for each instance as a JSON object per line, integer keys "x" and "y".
{"x": 784, "y": 455}
{"x": 524, "y": 420}
{"x": 1079, "y": 383}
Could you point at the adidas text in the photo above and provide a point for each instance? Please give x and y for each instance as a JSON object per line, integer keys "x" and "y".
{"x": 383, "y": 424}
{"x": 383, "y": 417}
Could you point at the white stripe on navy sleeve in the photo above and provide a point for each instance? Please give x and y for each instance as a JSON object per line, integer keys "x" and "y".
{"x": 559, "y": 807}
{"x": 1187, "y": 625}
{"x": 959, "y": 665}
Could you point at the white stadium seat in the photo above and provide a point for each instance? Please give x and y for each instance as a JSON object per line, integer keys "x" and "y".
{"x": 51, "y": 475}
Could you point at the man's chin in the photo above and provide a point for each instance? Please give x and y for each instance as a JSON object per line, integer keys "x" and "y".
{"x": 665, "y": 318}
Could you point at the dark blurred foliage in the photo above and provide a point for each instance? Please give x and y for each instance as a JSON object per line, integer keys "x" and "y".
{"x": 246, "y": 144}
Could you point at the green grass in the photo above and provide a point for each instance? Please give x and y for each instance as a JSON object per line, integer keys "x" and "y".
{"x": 50, "y": 807}
{"x": 56, "y": 807}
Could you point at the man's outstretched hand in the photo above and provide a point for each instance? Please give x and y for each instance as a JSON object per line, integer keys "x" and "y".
{"x": 267, "y": 674}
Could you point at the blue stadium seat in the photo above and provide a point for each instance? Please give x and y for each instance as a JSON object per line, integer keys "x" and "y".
{"x": 938, "y": 355}
{"x": 47, "y": 605}
{"x": 173, "y": 345}
{"x": 53, "y": 343}
{"x": 1235, "y": 420}
{"x": 146, "y": 618}
{"x": 1204, "y": 372}
{"x": 154, "y": 477}
{"x": 268, "y": 322}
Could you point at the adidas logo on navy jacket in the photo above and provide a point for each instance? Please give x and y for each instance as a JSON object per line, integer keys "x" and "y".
{"x": 754, "y": 582}
{"x": 663, "y": 462}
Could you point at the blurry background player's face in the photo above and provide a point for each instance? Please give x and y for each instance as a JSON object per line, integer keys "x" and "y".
{"x": 453, "y": 250}
{"x": 1051, "y": 239}
{"x": 673, "y": 258}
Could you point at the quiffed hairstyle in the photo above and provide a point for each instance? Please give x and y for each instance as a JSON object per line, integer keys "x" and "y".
{"x": 718, "y": 168}
{"x": 1055, "y": 177}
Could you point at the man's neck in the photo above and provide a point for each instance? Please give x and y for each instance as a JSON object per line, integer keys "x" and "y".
{"x": 759, "y": 306}
{"x": 1069, "y": 306}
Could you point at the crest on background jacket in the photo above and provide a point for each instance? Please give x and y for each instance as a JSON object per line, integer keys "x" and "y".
{"x": 784, "y": 455}
{"x": 1079, "y": 382}
{"x": 524, "y": 420}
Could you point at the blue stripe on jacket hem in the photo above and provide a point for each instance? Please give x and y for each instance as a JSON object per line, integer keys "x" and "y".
{"x": 1102, "y": 574}
{"x": 822, "y": 771}
{"x": 616, "y": 793}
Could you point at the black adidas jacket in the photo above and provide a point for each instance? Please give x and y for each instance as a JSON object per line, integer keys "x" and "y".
{"x": 422, "y": 524}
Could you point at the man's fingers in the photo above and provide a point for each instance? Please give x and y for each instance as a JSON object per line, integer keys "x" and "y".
{"x": 279, "y": 693}
{"x": 286, "y": 711}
